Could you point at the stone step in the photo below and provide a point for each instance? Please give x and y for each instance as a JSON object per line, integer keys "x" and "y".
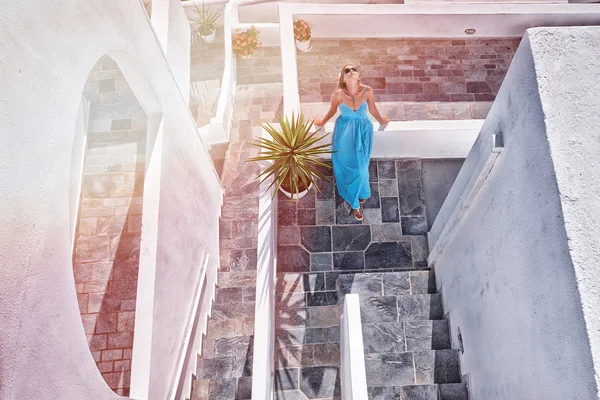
{"x": 308, "y": 383}
{"x": 312, "y": 317}
{"x": 398, "y": 337}
{"x": 412, "y": 368}
{"x": 387, "y": 283}
{"x": 222, "y": 389}
{"x": 446, "y": 391}
{"x": 412, "y": 307}
{"x": 307, "y": 355}
{"x": 286, "y": 300}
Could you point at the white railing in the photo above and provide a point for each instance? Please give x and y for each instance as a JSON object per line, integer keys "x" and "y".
{"x": 352, "y": 353}
{"x": 264, "y": 320}
{"x": 463, "y": 192}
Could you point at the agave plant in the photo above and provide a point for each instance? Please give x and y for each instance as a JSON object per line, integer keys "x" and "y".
{"x": 205, "y": 23}
{"x": 293, "y": 153}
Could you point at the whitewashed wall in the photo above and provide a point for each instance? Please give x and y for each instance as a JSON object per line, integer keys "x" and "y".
{"x": 45, "y": 66}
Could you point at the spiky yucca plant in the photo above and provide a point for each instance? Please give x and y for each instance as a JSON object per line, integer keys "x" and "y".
{"x": 295, "y": 158}
{"x": 205, "y": 23}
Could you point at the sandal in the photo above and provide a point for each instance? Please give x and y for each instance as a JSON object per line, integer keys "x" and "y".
{"x": 357, "y": 214}
{"x": 362, "y": 201}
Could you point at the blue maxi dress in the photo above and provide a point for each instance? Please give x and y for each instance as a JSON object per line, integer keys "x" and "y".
{"x": 352, "y": 142}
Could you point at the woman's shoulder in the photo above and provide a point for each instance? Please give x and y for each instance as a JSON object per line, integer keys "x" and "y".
{"x": 366, "y": 88}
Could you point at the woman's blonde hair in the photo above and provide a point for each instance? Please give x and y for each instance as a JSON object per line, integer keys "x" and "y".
{"x": 341, "y": 83}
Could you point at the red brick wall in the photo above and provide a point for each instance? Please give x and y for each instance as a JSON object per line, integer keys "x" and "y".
{"x": 432, "y": 70}
{"x": 107, "y": 242}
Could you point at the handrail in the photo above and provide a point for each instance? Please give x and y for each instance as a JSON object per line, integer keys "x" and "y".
{"x": 352, "y": 354}
{"x": 181, "y": 359}
{"x": 461, "y": 203}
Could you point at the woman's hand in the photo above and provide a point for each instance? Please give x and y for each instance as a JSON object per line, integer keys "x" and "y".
{"x": 319, "y": 122}
{"x": 384, "y": 121}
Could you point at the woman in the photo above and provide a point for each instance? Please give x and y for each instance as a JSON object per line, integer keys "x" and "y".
{"x": 352, "y": 137}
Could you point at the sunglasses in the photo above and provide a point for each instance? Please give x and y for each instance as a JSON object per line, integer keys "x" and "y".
{"x": 347, "y": 70}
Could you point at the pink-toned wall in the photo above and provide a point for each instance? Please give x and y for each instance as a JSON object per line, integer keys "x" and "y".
{"x": 107, "y": 243}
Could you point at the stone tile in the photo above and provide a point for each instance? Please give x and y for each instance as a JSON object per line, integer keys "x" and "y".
{"x": 321, "y": 299}
{"x": 453, "y": 391}
{"x": 320, "y": 382}
{"x": 383, "y": 338}
{"x": 326, "y": 354}
{"x": 388, "y": 255}
{"x": 326, "y": 190}
{"x": 433, "y": 172}
{"x": 351, "y": 238}
{"x": 292, "y": 259}
{"x": 414, "y": 225}
{"x": 419, "y": 392}
{"x": 351, "y": 260}
{"x": 439, "y": 366}
{"x": 420, "y": 307}
{"x": 372, "y": 216}
{"x": 286, "y": 379}
{"x": 325, "y": 212}
{"x": 331, "y": 279}
{"x": 286, "y": 213}
{"x": 422, "y": 282}
{"x": 373, "y": 175}
{"x": 233, "y": 311}
{"x": 389, "y": 369}
{"x": 321, "y": 262}
{"x": 288, "y": 235}
{"x": 323, "y": 317}
{"x": 427, "y": 335}
{"x": 228, "y": 295}
{"x": 314, "y": 282}
{"x": 389, "y": 209}
{"x": 373, "y": 201}
{"x": 387, "y": 170}
{"x": 214, "y": 368}
{"x": 242, "y": 259}
{"x": 365, "y": 285}
{"x": 307, "y": 217}
{"x": 242, "y": 366}
{"x": 296, "y": 356}
{"x": 384, "y": 393}
{"x": 289, "y": 395}
{"x": 451, "y": 169}
{"x": 408, "y": 170}
{"x": 343, "y": 212}
{"x": 388, "y": 188}
{"x": 396, "y": 283}
{"x": 378, "y": 309}
{"x": 244, "y": 388}
{"x": 286, "y": 317}
{"x": 233, "y": 346}
{"x": 420, "y": 248}
{"x": 388, "y": 232}
{"x": 316, "y": 239}
{"x": 308, "y": 201}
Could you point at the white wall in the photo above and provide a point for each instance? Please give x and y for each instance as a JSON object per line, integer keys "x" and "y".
{"x": 519, "y": 276}
{"x": 44, "y": 352}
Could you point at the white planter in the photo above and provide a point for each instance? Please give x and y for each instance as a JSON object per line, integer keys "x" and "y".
{"x": 247, "y": 56}
{"x": 298, "y": 195}
{"x": 303, "y": 46}
{"x": 210, "y": 38}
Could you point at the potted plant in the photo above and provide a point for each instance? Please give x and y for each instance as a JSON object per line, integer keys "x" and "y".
{"x": 244, "y": 43}
{"x": 302, "y": 35}
{"x": 205, "y": 23}
{"x": 294, "y": 155}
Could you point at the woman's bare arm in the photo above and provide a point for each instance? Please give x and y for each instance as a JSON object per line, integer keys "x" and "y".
{"x": 373, "y": 108}
{"x": 336, "y": 97}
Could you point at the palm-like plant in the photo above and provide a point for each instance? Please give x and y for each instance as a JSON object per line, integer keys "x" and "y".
{"x": 205, "y": 23}
{"x": 293, "y": 153}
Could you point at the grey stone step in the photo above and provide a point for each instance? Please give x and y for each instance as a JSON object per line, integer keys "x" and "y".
{"x": 448, "y": 391}
{"x": 286, "y": 300}
{"x": 398, "y": 337}
{"x": 222, "y": 389}
{"x": 412, "y": 368}
{"x": 302, "y": 335}
{"x": 308, "y": 383}
{"x": 307, "y": 355}
{"x": 311, "y": 317}
{"x": 387, "y": 283}
{"x": 412, "y": 307}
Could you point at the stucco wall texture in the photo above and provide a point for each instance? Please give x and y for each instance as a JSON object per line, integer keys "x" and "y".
{"x": 519, "y": 277}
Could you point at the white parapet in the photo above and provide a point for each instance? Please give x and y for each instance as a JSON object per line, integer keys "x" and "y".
{"x": 352, "y": 353}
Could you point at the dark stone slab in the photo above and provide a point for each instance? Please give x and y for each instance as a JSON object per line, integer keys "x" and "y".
{"x": 290, "y": 300}
{"x": 350, "y": 260}
{"x": 321, "y": 262}
{"x": 314, "y": 282}
{"x": 422, "y": 282}
{"x": 373, "y": 201}
{"x": 292, "y": 259}
{"x": 307, "y": 217}
{"x": 232, "y": 346}
{"x": 414, "y": 225}
{"x": 233, "y": 310}
{"x": 388, "y": 188}
{"x": 222, "y": 388}
{"x": 323, "y": 317}
{"x": 438, "y": 366}
{"x": 242, "y": 260}
{"x": 384, "y": 393}
{"x": 343, "y": 212}
{"x": 351, "y": 238}
{"x": 388, "y": 255}
{"x": 242, "y": 365}
{"x": 378, "y": 309}
{"x": 367, "y": 285}
{"x": 388, "y": 232}
{"x": 331, "y": 279}
{"x": 411, "y": 197}
{"x": 308, "y": 201}
{"x": 420, "y": 392}
{"x": 420, "y": 247}
{"x": 326, "y": 190}
{"x": 420, "y": 307}
{"x": 320, "y": 382}
{"x": 228, "y": 295}
{"x": 325, "y": 212}
{"x": 286, "y": 379}
{"x": 213, "y": 368}
{"x": 373, "y": 175}
{"x": 453, "y": 391}
{"x": 389, "y": 209}
{"x": 286, "y": 213}
{"x": 383, "y": 338}
{"x": 316, "y": 238}
{"x": 389, "y": 369}
{"x": 326, "y": 354}
{"x": 288, "y": 235}
{"x": 408, "y": 170}
{"x": 286, "y": 317}
{"x": 321, "y": 299}
{"x": 322, "y": 335}
{"x": 289, "y": 395}
{"x": 244, "y": 388}
{"x": 427, "y": 335}
{"x": 387, "y": 169}
{"x": 396, "y": 283}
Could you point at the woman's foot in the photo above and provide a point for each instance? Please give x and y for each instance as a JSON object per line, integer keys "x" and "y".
{"x": 362, "y": 201}
{"x": 358, "y": 214}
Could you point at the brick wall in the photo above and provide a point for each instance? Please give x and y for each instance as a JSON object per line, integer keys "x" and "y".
{"x": 106, "y": 254}
{"x": 409, "y": 70}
